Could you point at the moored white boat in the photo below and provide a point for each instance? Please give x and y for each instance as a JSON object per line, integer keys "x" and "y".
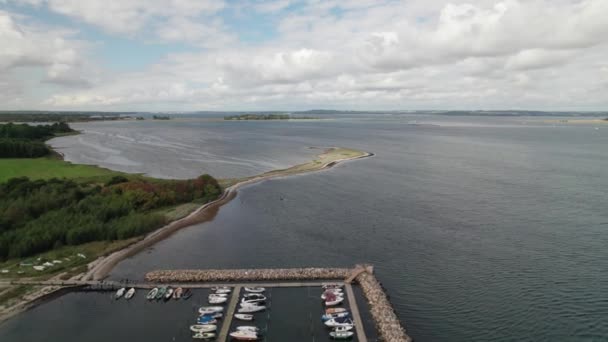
{"x": 332, "y": 286}
{"x": 331, "y": 300}
{"x": 130, "y": 293}
{"x": 248, "y": 328}
{"x": 210, "y": 309}
{"x": 339, "y": 322}
{"x": 327, "y": 317}
{"x": 223, "y": 291}
{"x": 120, "y": 292}
{"x": 203, "y": 335}
{"x": 251, "y": 308}
{"x": 152, "y": 294}
{"x": 242, "y": 335}
{"x": 217, "y": 300}
{"x": 244, "y": 317}
{"x": 218, "y": 295}
{"x": 343, "y": 328}
{"x": 255, "y": 289}
{"x": 169, "y": 293}
{"x": 341, "y": 335}
{"x": 203, "y": 327}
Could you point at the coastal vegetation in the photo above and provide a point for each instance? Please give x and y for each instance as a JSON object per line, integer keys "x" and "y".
{"x": 42, "y": 116}
{"x": 36, "y": 216}
{"x": 47, "y": 204}
{"x": 267, "y": 117}
{"x": 25, "y": 141}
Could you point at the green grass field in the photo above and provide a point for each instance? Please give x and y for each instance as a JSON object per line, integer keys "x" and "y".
{"x": 50, "y": 167}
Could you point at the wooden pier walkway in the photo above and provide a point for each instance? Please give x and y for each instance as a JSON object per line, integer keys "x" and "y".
{"x": 354, "y": 310}
{"x": 236, "y": 293}
{"x": 149, "y": 285}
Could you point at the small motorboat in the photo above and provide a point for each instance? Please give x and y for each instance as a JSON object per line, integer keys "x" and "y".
{"x": 244, "y": 317}
{"x": 341, "y": 335}
{"x": 254, "y": 296}
{"x": 332, "y": 286}
{"x": 203, "y": 327}
{"x": 217, "y": 300}
{"x": 152, "y": 294}
{"x": 187, "y": 294}
{"x": 210, "y": 309}
{"x": 218, "y": 295}
{"x": 253, "y": 300}
{"x": 120, "y": 292}
{"x": 327, "y": 317}
{"x": 161, "y": 293}
{"x": 203, "y": 335}
{"x": 248, "y": 328}
{"x": 331, "y": 300}
{"x": 255, "y": 289}
{"x": 177, "y": 294}
{"x": 242, "y": 335}
{"x": 343, "y": 328}
{"x": 330, "y": 311}
{"x": 169, "y": 293}
{"x": 251, "y": 308}
{"x": 213, "y": 314}
{"x": 206, "y": 320}
{"x": 130, "y": 293}
{"x": 339, "y": 322}
{"x": 335, "y": 301}
{"x": 221, "y": 289}
{"x": 328, "y": 293}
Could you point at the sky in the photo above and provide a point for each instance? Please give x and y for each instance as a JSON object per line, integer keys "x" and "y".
{"x": 190, "y": 55}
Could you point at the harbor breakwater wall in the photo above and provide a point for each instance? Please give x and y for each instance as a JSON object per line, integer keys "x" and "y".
{"x": 245, "y": 275}
{"x": 387, "y": 323}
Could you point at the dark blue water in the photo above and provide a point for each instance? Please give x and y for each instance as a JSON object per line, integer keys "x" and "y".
{"x": 481, "y": 229}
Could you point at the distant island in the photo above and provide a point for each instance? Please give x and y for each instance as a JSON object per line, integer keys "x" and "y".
{"x": 159, "y": 117}
{"x": 267, "y": 117}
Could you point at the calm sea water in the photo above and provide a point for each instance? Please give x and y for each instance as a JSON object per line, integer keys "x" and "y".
{"x": 481, "y": 229}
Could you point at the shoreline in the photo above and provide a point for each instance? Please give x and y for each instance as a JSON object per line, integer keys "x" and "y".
{"x": 101, "y": 267}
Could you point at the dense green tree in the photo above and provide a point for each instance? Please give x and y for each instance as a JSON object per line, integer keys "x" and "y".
{"x": 36, "y": 216}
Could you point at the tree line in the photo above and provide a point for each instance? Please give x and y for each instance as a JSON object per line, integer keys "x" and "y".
{"x": 39, "y": 215}
{"x": 25, "y": 141}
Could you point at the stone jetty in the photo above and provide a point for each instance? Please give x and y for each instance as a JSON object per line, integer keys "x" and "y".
{"x": 246, "y": 275}
{"x": 387, "y": 323}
